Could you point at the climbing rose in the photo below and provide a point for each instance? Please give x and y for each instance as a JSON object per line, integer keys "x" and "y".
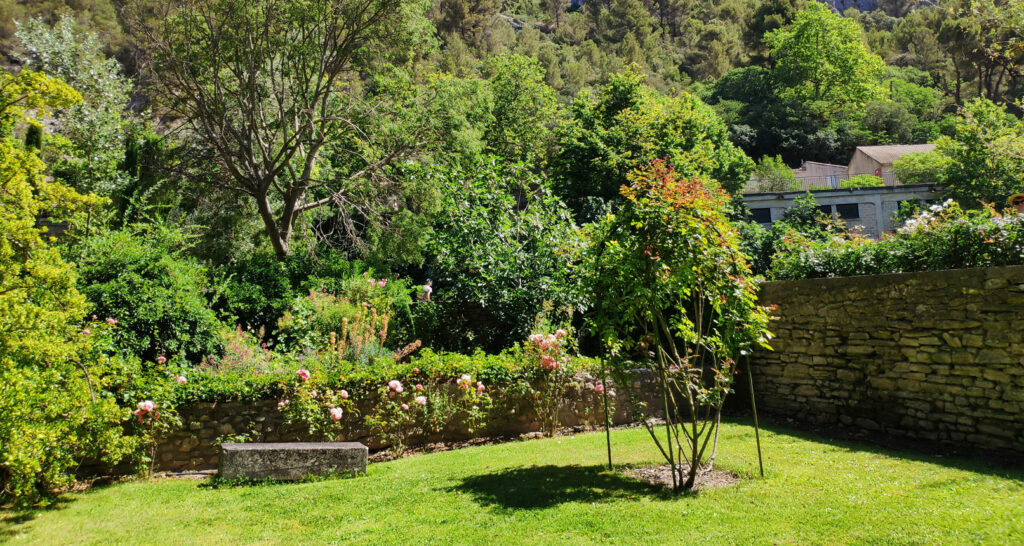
{"x": 282, "y": 403}
{"x": 421, "y": 400}
{"x": 161, "y": 360}
{"x": 344, "y": 394}
{"x": 381, "y": 283}
{"x": 182, "y": 380}
{"x": 599, "y": 388}
{"x": 303, "y": 374}
{"x": 111, "y": 321}
{"x": 394, "y": 384}
{"x": 611, "y": 393}
{"x": 147, "y": 405}
{"x": 415, "y": 370}
{"x": 336, "y": 414}
{"x": 479, "y": 387}
{"x": 86, "y": 331}
{"x": 405, "y": 407}
{"x": 559, "y": 333}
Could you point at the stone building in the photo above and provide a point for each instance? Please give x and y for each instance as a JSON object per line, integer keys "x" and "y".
{"x": 878, "y": 160}
{"x": 869, "y": 208}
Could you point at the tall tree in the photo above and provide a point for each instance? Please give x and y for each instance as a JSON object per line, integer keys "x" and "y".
{"x": 273, "y": 87}
{"x": 822, "y": 58}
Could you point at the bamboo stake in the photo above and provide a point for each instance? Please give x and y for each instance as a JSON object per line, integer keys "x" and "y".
{"x": 607, "y": 426}
{"x": 753, "y": 407}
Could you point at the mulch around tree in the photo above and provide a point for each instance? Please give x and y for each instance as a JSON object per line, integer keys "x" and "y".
{"x": 662, "y": 475}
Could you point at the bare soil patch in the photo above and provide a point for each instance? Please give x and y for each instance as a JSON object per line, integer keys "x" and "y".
{"x": 662, "y": 475}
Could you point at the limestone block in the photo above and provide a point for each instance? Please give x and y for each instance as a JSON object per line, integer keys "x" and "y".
{"x": 291, "y": 461}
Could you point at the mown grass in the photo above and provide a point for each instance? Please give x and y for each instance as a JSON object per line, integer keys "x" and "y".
{"x": 556, "y": 491}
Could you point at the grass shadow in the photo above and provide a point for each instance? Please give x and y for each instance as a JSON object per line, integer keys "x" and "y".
{"x": 538, "y": 487}
{"x": 12, "y": 519}
{"x": 840, "y": 438}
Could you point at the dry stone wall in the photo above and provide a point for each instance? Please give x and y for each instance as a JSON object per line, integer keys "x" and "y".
{"x": 935, "y": 357}
{"x": 196, "y": 445}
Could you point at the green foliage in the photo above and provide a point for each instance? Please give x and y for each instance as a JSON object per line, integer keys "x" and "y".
{"x": 774, "y": 175}
{"x": 822, "y": 59}
{"x": 90, "y": 135}
{"x": 804, "y": 218}
{"x": 627, "y": 125}
{"x": 922, "y": 168}
{"x": 55, "y": 411}
{"x": 524, "y": 109}
{"x": 160, "y": 297}
{"x": 985, "y": 155}
{"x": 862, "y": 181}
{"x": 503, "y": 251}
{"x": 669, "y": 281}
{"x": 350, "y": 322}
{"x": 940, "y": 237}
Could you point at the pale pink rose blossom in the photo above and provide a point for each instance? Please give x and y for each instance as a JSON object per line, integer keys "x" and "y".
{"x": 405, "y": 407}
{"x": 419, "y": 387}
{"x": 394, "y": 385}
{"x": 161, "y": 360}
{"x": 181, "y": 379}
{"x": 421, "y": 400}
{"x": 111, "y": 321}
{"x": 381, "y": 283}
{"x": 303, "y": 374}
{"x": 415, "y": 370}
{"x": 559, "y": 333}
{"x": 336, "y": 414}
{"x": 599, "y": 388}
{"x": 344, "y": 394}
{"x": 147, "y": 405}
{"x": 282, "y": 403}
{"x": 86, "y": 331}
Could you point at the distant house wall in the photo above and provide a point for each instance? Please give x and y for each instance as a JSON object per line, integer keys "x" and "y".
{"x": 827, "y": 175}
{"x": 869, "y": 208}
{"x": 860, "y": 163}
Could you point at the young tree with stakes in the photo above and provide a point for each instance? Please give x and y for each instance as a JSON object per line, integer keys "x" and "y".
{"x": 673, "y": 293}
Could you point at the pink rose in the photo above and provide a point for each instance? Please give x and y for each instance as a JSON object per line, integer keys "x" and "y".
{"x": 395, "y": 385}
{"x": 421, "y": 400}
{"x": 303, "y": 374}
{"x": 282, "y": 403}
{"x": 94, "y": 317}
{"x": 147, "y": 406}
{"x": 599, "y": 388}
{"x": 415, "y": 370}
{"x": 336, "y": 414}
{"x": 405, "y": 407}
{"x": 161, "y": 360}
{"x": 559, "y": 333}
{"x": 344, "y": 394}
{"x": 111, "y": 321}
{"x": 86, "y": 331}
{"x": 419, "y": 387}
{"x": 479, "y": 387}
{"x": 182, "y": 380}
{"x": 611, "y": 393}
{"x": 381, "y": 283}
{"x": 371, "y": 281}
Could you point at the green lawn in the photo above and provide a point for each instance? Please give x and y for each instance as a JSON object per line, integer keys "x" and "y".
{"x": 555, "y": 491}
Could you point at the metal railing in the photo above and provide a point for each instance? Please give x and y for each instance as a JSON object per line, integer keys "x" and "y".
{"x": 824, "y": 182}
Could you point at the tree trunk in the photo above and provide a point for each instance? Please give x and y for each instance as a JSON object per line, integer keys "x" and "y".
{"x": 278, "y": 240}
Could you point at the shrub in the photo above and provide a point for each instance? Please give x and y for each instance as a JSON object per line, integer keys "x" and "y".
{"x": 352, "y": 324}
{"x": 940, "y": 237}
{"x": 862, "y": 181}
{"x": 774, "y": 175}
{"x": 503, "y": 251}
{"x": 160, "y": 297}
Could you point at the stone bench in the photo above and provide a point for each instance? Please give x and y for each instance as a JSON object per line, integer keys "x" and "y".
{"x": 292, "y": 460}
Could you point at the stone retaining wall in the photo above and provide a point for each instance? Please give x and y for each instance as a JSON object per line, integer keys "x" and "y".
{"x": 204, "y": 426}
{"x": 935, "y": 356}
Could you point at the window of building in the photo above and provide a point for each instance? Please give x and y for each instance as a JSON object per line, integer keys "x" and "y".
{"x": 849, "y": 211}
{"x": 761, "y": 215}
{"x": 827, "y": 209}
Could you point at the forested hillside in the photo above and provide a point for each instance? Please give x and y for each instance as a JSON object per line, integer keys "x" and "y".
{"x": 936, "y": 56}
